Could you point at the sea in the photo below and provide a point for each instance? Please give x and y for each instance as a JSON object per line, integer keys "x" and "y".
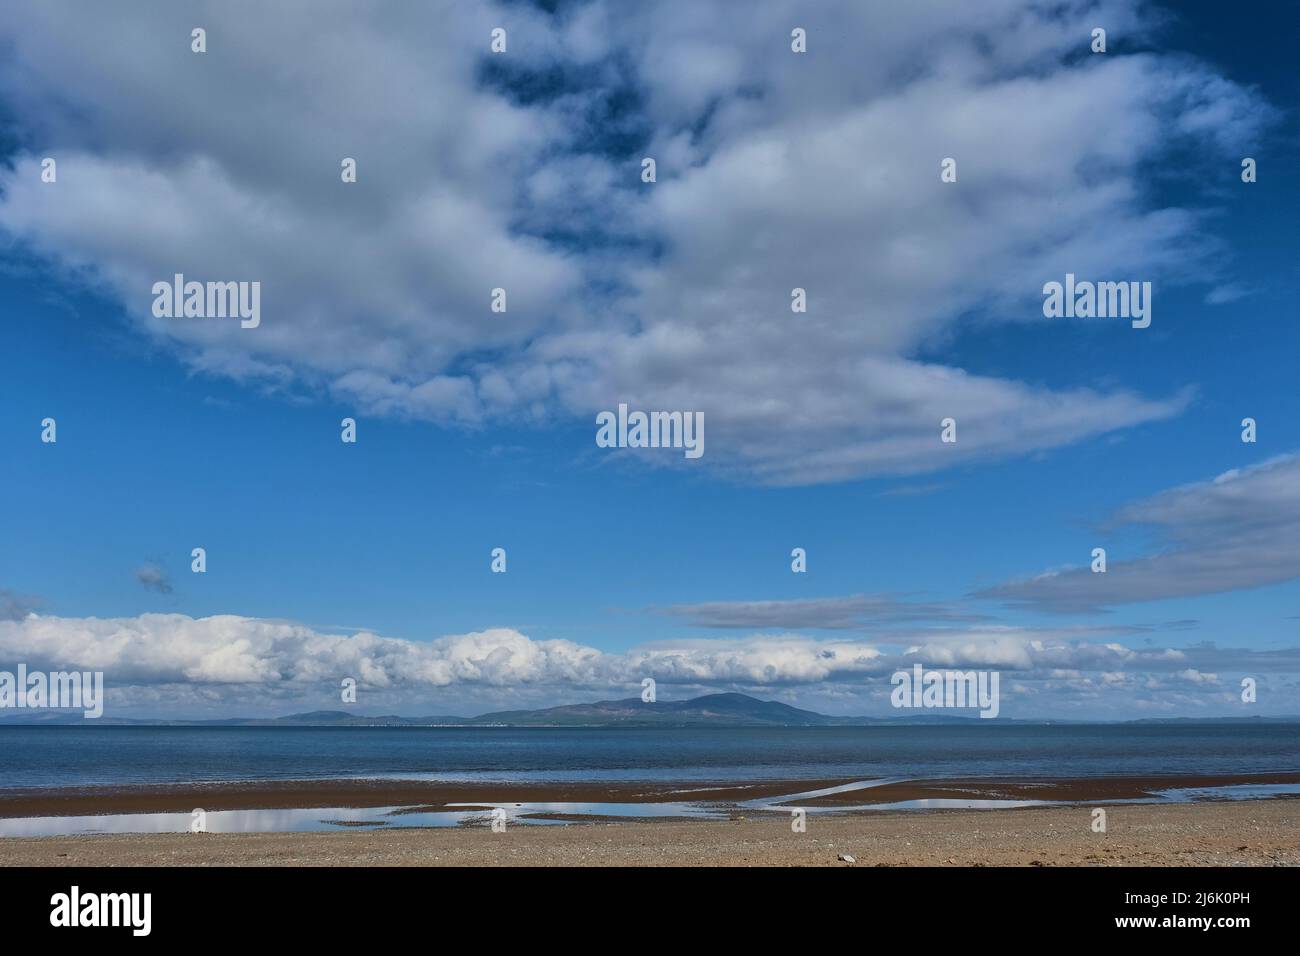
{"x": 41, "y": 757}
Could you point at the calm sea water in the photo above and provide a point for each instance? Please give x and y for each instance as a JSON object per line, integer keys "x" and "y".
{"x": 76, "y": 756}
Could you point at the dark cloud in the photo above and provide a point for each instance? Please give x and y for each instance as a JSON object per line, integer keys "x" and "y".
{"x": 152, "y": 577}
{"x": 828, "y": 613}
{"x": 15, "y": 607}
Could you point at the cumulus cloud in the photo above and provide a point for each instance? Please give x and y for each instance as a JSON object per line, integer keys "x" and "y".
{"x": 1239, "y": 530}
{"x": 522, "y": 171}
{"x": 183, "y": 665}
{"x": 226, "y": 649}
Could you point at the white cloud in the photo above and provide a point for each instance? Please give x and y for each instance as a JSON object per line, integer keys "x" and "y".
{"x": 219, "y": 664}
{"x": 1238, "y": 530}
{"x": 776, "y": 170}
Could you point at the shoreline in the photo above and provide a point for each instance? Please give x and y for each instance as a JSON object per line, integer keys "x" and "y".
{"x": 1235, "y": 833}
{"x": 841, "y": 793}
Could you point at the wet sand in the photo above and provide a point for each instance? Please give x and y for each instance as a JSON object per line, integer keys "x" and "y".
{"x": 1076, "y": 790}
{"x": 434, "y": 795}
{"x": 1245, "y": 833}
{"x": 306, "y": 794}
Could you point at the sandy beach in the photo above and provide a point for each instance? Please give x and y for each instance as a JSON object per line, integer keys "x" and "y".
{"x": 1200, "y": 832}
{"x": 1246, "y": 833}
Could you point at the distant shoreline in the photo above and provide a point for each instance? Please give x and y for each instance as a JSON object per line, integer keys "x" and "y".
{"x": 713, "y": 711}
{"x": 359, "y": 722}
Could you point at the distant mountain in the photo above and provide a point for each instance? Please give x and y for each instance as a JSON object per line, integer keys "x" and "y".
{"x": 714, "y": 709}
{"x": 711, "y": 710}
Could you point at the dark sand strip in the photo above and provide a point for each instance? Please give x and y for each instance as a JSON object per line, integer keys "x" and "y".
{"x": 1074, "y": 790}
{"x": 307, "y": 794}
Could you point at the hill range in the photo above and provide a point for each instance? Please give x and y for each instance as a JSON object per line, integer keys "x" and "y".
{"x": 711, "y": 710}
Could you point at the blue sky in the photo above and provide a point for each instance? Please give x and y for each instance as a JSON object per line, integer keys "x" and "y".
{"x": 476, "y": 431}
